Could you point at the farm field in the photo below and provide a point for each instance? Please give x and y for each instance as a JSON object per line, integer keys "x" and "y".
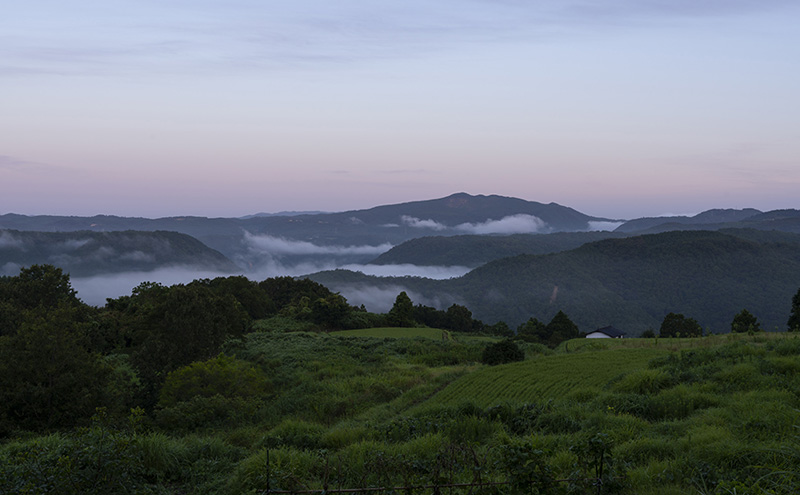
{"x": 545, "y": 377}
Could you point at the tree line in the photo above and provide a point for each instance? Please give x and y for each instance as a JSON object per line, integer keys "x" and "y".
{"x": 61, "y": 358}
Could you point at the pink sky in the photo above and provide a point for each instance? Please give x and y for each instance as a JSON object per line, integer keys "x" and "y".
{"x": 229, "y": 108}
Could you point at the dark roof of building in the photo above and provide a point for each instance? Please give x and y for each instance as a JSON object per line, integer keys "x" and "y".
{"x": 610, "y": 331}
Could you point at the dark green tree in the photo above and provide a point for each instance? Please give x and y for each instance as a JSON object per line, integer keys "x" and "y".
{"x": 330, "y": 312}
{"x": 402, "y": 312}
{"x": 250, "y": 295}
{"x": 287, "y": 291}
{"x": 533, "y": 330}
{"x": 505, "y": 351}
{"x": 561, "y": 328}
{"x": 459, "y": 318}
{"x": 745, "y": 322}
{"x": 677, "y": 325}
{"x": 431, "y": 317}
{"x": 794, "y": 317}
{"x": 181, "y": 325}
{"x": 42, "y": 285}
{"x": 501, "y": 329}
{"x": 48, "y": 378}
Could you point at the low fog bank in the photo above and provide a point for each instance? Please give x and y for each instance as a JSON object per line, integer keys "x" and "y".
{"x": 96, "y": 289}
{"x": 381, "y": 299}
{"x": 408, "y": 270}
{"x": 512, "y": 224}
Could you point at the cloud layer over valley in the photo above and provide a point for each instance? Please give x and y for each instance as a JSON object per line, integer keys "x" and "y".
{"x": 279, "y": 246}
{"x": 512, "y": 224}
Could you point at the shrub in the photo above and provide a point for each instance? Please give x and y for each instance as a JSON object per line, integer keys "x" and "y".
{"x": 203, "y": 412}
{"x": 505, "y": 351}
{"x": 224, "y": 376}
{"x": 295, "y": 433}
{"x": 645, "y": 381}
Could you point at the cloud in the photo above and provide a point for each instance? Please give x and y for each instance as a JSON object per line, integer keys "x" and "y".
{"x": 422, "y": 224}
{"x": 604, "y": 226}
{"x": 408, "y": 270}
{"x": 138, "y": 256}
{"x": 514, "y": 224}
{"x": 73, "y": 244}
{"x": 15, "y": 164}
{"x": 94, "y": 290}
{"x": 8, "y": 241}
{"x": 381, "y": 299}
{"x": 270, "y": 245}
{"x": 251, "y": 36}
{"x": 10, "y": 269}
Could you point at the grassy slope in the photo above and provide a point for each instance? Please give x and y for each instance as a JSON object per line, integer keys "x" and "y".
{"x": 394, "y": 332}
{"x": 546, "y": 377}
{"x": 681, "y": 415}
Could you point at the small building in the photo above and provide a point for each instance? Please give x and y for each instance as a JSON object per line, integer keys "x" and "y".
{"x": 606, "y": 333}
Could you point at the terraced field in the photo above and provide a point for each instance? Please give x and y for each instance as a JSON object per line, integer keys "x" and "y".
{"x": 545, "y": 377}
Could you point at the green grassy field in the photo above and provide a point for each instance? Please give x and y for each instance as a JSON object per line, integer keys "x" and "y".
{"x": 708, "y": 416}
{"x": 544, "y": 377}
{"x": 395, "y": 333}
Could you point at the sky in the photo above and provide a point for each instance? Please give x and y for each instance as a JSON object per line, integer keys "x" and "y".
{"x": 617, "y": 108}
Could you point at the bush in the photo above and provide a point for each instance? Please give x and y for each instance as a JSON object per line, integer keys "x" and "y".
{"x": 502, "y": 352}
{"x": 645, "y": 381}
{"x": 224, "y": 376}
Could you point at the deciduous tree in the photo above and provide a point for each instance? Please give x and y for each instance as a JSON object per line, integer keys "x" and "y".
{"x": 794, "y": 318}
{"x": 745, "y": 322}
{"x": 677, "y": 325}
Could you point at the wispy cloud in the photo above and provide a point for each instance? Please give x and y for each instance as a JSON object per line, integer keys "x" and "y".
{"x": 380, "y": 299}
{"x": 604, "y": 226}
{"x": 279, "y": 246}
{"x": 513, "y": 224}
{"x": 8, "y": 241}
{"x": 94, "y": 290}
{"x": 418, "y": 223}
{"x": 253, "y": 35}
{"x": 408, "y": 270}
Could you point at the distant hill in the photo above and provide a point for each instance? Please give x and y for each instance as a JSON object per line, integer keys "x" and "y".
{"x": 717, "y": 216}
{"x": 238, "y": 238}
{"x": 84, "y": 253}
{"x": 631, "y": 283}
{"x": 783, "y": 220}
{"x": 359, "y": 236}
{"x": 475, "y": 250}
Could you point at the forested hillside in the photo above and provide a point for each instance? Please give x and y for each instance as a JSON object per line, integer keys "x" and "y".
{"x": 631, "y": 283}
{"x": 475, "y": 250}
{"x": 230, "y": 386}
{"x": 86, "y": 253}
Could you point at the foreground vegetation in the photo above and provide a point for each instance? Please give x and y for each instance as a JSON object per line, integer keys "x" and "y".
{"x": 205, "y": 389}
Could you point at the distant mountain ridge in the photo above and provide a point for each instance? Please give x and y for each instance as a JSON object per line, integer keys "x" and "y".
{"x": 84, "y": 253}
{"x": 382, "y": 225}
{"x": 358, "y": 236}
